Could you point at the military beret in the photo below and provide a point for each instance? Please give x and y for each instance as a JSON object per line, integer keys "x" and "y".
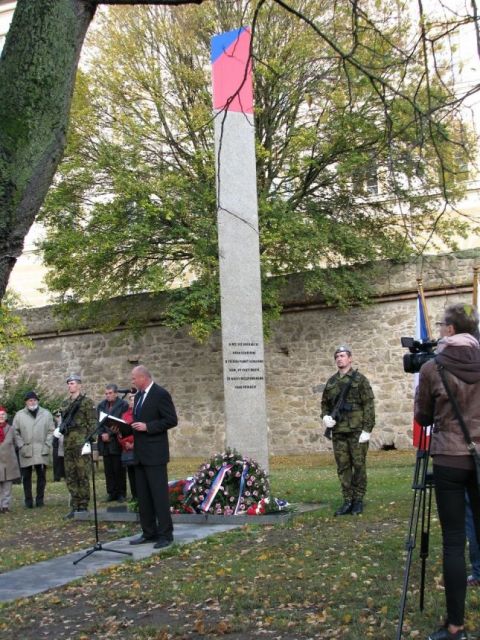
{"x": 30, "y": 395}
{"x": 342, "y": 347}
{"x": 74, "y": 377}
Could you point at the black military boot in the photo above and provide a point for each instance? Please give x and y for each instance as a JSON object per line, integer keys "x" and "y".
{"x": 357, "y": 507}
{"x": 345, "y": 509}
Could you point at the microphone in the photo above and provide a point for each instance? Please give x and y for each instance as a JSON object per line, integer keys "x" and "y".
{"x": 126, "y": 390}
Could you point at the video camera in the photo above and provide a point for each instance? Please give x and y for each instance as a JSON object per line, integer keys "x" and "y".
{"x": 420, "y": 352}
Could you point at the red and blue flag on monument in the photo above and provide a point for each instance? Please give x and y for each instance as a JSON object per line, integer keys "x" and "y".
{"x": 421, "y": 334}
{"x": 232, "y": 71}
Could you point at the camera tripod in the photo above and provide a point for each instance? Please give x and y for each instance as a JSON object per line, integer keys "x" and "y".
{"x": 98, "y": 545}
{"x": 421, "y": 510}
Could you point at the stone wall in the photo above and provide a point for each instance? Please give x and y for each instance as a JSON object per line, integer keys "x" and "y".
{"x": 298, "y": 358}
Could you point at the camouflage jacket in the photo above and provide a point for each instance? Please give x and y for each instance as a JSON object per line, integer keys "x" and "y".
{"x": 83, "y": 424}
{"x": 359, "y": 414}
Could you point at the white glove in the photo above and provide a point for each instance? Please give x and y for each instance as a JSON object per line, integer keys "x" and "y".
{"x": 329, "y": 422}
{"x": 364, "y": 437}
{"x": 56, "y": 433}
{"x": 86, "y": 449}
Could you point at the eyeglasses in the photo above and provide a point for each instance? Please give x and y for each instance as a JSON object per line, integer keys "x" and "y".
{"x": 439, "y": 324}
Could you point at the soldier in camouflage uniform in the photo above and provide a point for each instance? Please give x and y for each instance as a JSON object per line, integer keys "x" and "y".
{"x": 77, "y": 466}
{"x": 351, "y": 425}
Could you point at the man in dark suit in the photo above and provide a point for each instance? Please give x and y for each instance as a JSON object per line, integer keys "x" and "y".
{"x": 154, "y": 413}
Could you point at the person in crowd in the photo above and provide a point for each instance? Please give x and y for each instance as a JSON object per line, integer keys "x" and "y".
{"x": 58, "y": 461}
{"x": 348, "y": 410}
{"x": 153, "y": 415}
{"x": 126, "y": 444}
{"x": 458, "y": 358}
{"x": 473, "y": 579}
{"x": 9, "y": 468}
{"x": 78, "y": 424}
{"x": 34, "y": 427}
{"x": 109, "y": 447}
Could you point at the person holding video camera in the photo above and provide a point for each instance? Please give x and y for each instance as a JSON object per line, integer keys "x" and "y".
{"x": 454, "y": 470}
{"x": 348, "y": 414}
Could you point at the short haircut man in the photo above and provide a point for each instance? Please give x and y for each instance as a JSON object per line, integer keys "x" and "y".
{"x": 153, "y": 414}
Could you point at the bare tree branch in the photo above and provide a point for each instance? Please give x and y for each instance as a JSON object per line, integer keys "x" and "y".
{"x": 172, "y": 3}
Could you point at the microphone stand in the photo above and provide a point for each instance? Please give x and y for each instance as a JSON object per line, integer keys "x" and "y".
{"x": 98, "y": 545}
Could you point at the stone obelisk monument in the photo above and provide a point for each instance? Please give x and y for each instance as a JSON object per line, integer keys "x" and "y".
{"x": 240, "y": 284}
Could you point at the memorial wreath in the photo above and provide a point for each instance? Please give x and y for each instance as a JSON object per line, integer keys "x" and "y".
{"x": 227, "y": 484}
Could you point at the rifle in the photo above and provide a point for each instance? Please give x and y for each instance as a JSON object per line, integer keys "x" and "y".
{"x": 340, "y": 405}
{"x": 68, "y": 418}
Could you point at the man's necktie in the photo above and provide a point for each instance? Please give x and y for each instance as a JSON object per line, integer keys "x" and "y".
{"x": 138, "y": 406}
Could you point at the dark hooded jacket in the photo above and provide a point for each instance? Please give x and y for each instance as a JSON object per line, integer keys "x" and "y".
{"x": 432, "y": 406}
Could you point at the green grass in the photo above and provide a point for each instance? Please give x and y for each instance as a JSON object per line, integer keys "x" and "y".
{"x": 315, "y": 576}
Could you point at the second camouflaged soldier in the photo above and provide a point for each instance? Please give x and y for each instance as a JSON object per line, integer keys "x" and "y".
{"x": 78, "y": 421}
{"x": 348, "y": 411}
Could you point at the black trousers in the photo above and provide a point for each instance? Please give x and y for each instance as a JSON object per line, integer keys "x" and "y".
{"x": 58, "y": 465}
{"x": 115, "y": 476}
{"x": 153, "y": 501}
{"x": 450, "y": 486}
{"x": 41, "y": 472}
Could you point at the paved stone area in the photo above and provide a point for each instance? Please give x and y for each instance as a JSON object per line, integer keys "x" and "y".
{"x": 42, "y": 576}
{"x": 122, "y": 514}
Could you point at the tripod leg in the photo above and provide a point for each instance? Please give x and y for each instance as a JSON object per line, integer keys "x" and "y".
{"x": 125, "y": 553}
{"x": 85, "y": 555}
{"x": 424, "y": 547}
{"x": 418, "y": 507}
{"x": 410, "y": 545}
{"x": 98, "y": 545}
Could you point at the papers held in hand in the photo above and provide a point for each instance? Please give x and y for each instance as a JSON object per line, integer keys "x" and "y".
{"x": 114, "y": 423}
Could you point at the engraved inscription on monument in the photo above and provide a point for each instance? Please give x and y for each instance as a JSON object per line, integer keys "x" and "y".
{"x": 244, "y": 366}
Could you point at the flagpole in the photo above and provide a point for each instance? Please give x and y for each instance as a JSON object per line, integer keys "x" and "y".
{"x": 475, "y": 286}
{"x": 421, "y": 293}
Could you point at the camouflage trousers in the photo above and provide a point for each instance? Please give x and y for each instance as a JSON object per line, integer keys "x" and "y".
{"x": 350, "y": 457}
{"x": 77, "y": 476}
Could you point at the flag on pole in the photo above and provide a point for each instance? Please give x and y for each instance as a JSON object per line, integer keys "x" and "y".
{"x": 421, "y": 334}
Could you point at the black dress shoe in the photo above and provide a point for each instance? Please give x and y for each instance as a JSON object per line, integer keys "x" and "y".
{"x": 444, "y": 634}
{"x": 163, "y": 543}
{"x": 345, "y": 508}
{"x": 143, "y": 540}
{"x": 39, "y": 502}
{"x": 357, "y": 508}
{"x": 29, "y": 503}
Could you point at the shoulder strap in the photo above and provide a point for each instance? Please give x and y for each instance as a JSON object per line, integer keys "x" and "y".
{"x": 470, "y": 444}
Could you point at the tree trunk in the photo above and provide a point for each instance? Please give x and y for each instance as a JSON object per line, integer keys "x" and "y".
{"x": 37, "y": 74}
